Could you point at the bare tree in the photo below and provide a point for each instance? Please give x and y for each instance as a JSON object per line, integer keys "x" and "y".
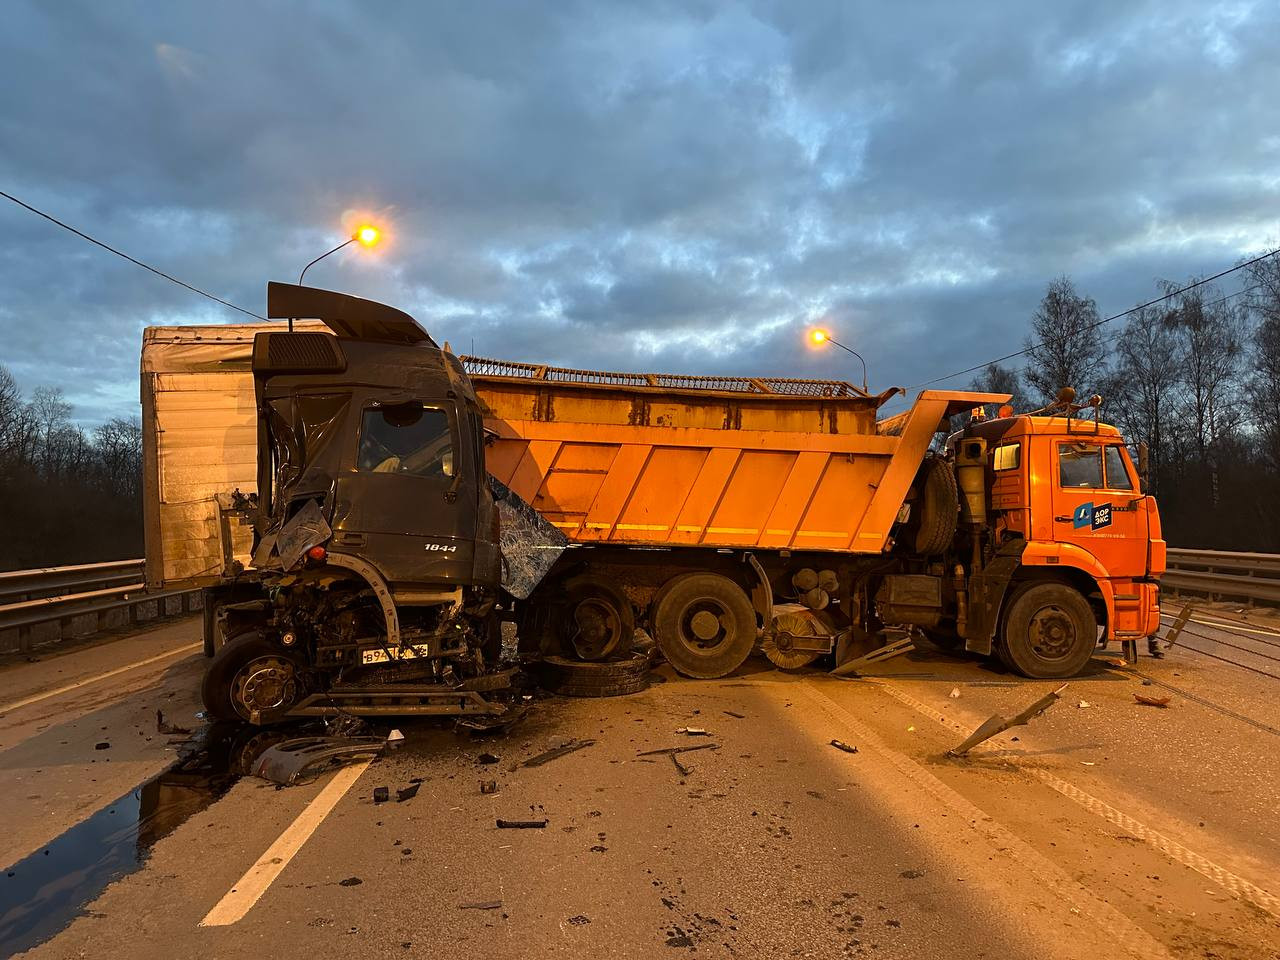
{"x": 1146, "y": 382}
{"x": 1065, "y": 348}
{"x": 1264, "y": 362}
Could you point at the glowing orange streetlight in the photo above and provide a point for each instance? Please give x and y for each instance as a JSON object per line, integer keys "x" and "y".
{"x": 818, "y": 337}
{"x": 367, "y": 235}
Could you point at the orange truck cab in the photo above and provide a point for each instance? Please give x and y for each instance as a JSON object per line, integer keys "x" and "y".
{"x": 1069, "y": 489}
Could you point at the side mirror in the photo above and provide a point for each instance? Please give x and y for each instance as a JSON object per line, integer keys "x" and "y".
{"x": 1144, "y": 466}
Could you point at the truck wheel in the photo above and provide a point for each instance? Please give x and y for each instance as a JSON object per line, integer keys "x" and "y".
{"x": 939, "y": 508}
{"x": 574, "y": 678}
{"x": 599, "y": 621}
{"x": 1049, "y": 632}
{"x": 704, "y": 625}
{"x": 251, "y": 681}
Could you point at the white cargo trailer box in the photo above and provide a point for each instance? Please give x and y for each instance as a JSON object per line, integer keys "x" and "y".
{"x": 199, "y": 445}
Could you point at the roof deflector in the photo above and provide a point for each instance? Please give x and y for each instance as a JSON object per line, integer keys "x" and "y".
{"x": 345, "y": 315}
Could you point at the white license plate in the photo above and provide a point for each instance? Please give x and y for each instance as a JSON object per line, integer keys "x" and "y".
{"x": 378, "y": 655}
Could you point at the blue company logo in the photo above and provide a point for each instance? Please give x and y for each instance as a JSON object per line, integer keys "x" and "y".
{"x": 1091, "y": 515}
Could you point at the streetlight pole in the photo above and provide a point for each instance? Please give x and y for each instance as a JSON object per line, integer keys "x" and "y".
{"x": 323, "y": 255}
{"x": 365, "y": 235}
{"x": 820, "y": 337}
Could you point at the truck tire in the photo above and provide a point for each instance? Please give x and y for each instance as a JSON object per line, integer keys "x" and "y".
{"x": 704, "y": 624}
{"x": 599, "y": 620}
{"x": 249, "y": 674}
{"x": 1049, "y": 632}
{"x": 939, "y": 506}
{"x": 577, "y": 678}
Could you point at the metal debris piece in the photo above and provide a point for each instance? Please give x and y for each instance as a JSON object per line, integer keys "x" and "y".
{"x": 680, "y": 767}
{"x": 1162, "y": 702}
{"x": 381, "y": 794}
{"x": 955, "y": 693}
{"x": 736, "y": 716}
{"x": 166, "y": 728}
{"x": 556, "y": 753}
{"x": 407, "y": 793}
{"x": 343, "y": 724}
{"x": 102, "y": 745}
{"x": 1174, "y": 633}
{"x": 350, "y": 882}
{"x": 487, "y": 722}
{"x": 890, "y": 650}
{"x": 285, "y": 762}
{"x": 997, "y": 724}
{"x": 394, "y": 739}
{"x": 841, "y": 745}
{"x": 1083, "y": 705}
{"x": 488, "y": 758}
{"x": 701, "y": 746}
{"x": 693, "y": 732}
{"x": 521, "y": 824}
{"x": 483, "y": 905}
{"x": 488, "y": 786}
{"x": 1115, "y": 661}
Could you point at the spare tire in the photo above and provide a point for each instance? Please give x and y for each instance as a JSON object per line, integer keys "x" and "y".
{"x": 580, "y": 678}
{"x": 937, "y": 507}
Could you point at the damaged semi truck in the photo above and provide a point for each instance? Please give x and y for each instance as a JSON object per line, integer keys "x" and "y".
{"x": 365, "y": 509}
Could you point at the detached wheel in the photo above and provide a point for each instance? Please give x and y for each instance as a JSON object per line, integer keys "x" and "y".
{"x": 704, "y": 625}
{"x": 599, "y": 621}
{"x": 251, "y": 681}
{"x": 576, "y": 678}
{"x": 1049, "y": 632}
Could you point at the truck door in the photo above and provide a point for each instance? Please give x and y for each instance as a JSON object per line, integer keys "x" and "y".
{"x": 1096, "y": 504}
{"x": 409, "y": 506}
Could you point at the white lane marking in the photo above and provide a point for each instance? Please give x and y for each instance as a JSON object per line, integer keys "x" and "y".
{"x": 1237, "y": 886}
{"x": 249, "y": 889}
{"x": 5, "y": 708}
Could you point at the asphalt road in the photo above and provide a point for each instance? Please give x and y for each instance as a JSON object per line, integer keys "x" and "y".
{"x": 1106, "y": 828}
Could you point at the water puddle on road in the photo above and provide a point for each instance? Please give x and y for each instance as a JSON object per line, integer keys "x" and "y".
{"x": 42, "y": 894}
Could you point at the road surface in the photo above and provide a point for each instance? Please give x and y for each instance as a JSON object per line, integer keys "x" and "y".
{"x": 1106, "y": 828}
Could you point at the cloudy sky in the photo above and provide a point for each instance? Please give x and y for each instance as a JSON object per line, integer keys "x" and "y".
{"x": 682, "y": 186}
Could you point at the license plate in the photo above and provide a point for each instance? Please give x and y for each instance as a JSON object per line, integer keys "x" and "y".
{"x": 379, "y": 655}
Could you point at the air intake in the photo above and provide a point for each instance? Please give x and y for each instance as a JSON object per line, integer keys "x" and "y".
{"x": 284, "y": 352}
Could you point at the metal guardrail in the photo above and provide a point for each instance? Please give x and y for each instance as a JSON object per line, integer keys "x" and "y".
{"x": 1219, "y": 573}
{"x": 52, "y": 603}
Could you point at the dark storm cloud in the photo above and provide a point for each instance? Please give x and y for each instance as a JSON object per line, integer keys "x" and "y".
{"x": 647, "y": 186}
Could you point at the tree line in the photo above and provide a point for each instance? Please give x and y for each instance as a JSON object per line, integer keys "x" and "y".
{"x": 67, "y": 495}
{"x": 1196, "y": 377}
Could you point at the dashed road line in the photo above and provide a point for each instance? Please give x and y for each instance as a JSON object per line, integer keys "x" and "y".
{"x": 67, "y": 688}
{"x": 1236, "y": 885}
{"x": 249, "y": 889}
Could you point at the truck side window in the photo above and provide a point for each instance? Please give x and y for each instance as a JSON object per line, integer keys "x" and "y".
{"x": 1006, "y": 457}
{"x": 406, "y": 438}
{"x": 1117, "y": 476}
{"x": 1080, "y": 465}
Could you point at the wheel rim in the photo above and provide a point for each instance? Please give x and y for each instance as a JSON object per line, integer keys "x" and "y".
{"x": 705, "y": 626}
{"x": 1052, "y": 633}
{"x": 597, "y": 628}
{"x": 263, "y": 686}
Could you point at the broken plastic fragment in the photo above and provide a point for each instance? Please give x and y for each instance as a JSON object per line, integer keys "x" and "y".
{"x": 1151, "y": 701}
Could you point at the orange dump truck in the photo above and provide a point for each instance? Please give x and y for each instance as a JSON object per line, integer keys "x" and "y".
{"x": 724, "y": 512}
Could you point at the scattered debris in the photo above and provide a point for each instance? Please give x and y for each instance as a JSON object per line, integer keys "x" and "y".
{"x": 1083, "y": 705}
{"x": 911, "y": 729}
{"x": 911, "y": 874}
{"x": 1115, "y": 661}
{"x": 556, "y": 753}
{"x": 102, "y": 745}
{"x": 521, "y": 824}
{"x": 1088, "y": 763}
{"x": 489, "y": 722}
{"x": 168, "y": 729}
{"x": 381, "y": 794}
{"x": 673, "y": 753}
{"x": 483, "y": 905}
{"x": 488, "y": 786}
{"x": 1162, "y": 702}
{"x": 579, "y": 920}
{"x": 488, "y": 758}
{"x": 693, "y": 732}
{"x": 350, "y": 882}
{"x": 997, "y": 724}
{"x": 841, "y": 745}
{"x": 394, "y": 739}
{"x": 890, "y": 650}
{"x": 287, "y": 761}
{"x": 955, "y": 693}
{"x": 736, "y": 716}
{"x": 408, "y": 793}
{"x": 346, "y": 725}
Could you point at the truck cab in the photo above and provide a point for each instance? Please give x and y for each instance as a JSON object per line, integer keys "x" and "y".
{"x": 1068, "y": 488}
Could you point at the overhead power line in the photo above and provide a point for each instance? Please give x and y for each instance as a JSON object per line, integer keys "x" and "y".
{"x": 1142, "y": 306}
{"x": 133, "y": 260}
